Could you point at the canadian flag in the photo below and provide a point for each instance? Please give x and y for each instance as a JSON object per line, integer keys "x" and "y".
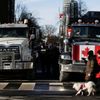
{"x": 84, "y": 49}
{"x": 81, "y": 51}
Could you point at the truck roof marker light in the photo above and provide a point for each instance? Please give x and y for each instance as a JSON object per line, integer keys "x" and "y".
{"x": 79, "y": 21}
{"x": 25, "y": 21}
{"x": 92, "y": 23}
{"x": 96, "y": 21}
{"x": 20, "y": 22}
{"x": 75, "y": 22}
{"x": 83, "y": 22}
{"x": 88, "y": 23}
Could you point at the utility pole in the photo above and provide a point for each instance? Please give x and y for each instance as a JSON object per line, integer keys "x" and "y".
{"x": 70, "y": 11}
{"x": 64, "y": 20}
{"x": 66, "y": 12}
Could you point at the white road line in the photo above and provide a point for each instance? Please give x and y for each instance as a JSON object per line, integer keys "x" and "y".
{"x": 4, "y": 98}
{"x": 56, "y": 87}
{"x": 27, "y": 86}
{"x": 3, "y": 85}
{"x": 56, "y": 84}
{"x": 52, "y": 86}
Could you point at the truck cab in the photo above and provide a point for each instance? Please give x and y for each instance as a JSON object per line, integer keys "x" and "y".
{"x": 15, "y": 54}
{"x": 84, "y": 37}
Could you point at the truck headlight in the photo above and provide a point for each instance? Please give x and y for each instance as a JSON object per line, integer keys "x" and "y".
{"x": 65, "y": 57}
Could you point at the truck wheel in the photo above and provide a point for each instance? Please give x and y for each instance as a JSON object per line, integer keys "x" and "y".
{"x": 64, "y": 76}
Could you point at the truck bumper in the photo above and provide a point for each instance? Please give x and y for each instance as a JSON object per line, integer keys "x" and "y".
{"x": 79, "y": 68}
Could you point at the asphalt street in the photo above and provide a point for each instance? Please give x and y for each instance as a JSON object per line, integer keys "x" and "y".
{"x": 47, "y": 90}
{"x": 43, "y": 97}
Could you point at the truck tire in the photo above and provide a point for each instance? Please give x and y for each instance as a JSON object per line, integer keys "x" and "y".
{"x": 64, "y": 76}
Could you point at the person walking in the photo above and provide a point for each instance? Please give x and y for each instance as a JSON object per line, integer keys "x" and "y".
{"x": 91, "y": 67}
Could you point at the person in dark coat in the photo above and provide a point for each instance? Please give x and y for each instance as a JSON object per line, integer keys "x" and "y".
{"x": 91, "y": 67}
{"x": 48, "y": 60}
{"x": 52, "y": 55}
{"x": 55, "y": 65}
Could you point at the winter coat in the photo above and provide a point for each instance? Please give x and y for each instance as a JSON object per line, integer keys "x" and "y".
{"x": 89, "y": 69}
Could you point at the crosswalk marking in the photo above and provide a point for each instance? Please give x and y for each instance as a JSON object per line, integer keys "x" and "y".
{"x": 56, "y": 84}
{"x": 34, "y": 86}
{"x": 27, "y": 86}
{"x": 56, "y": 87}
{"x": 3, "y": 85}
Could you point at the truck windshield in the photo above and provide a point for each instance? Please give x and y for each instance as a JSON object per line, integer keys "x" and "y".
{"x": 91, "y": 31}
{"x": 94, "y": 32}
{"x": 80, "y": 31}
{"x": 13, "y": 32}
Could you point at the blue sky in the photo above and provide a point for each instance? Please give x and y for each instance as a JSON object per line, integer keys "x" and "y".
{"x": 93, "y": 4}
{"x": 47, "y": 11}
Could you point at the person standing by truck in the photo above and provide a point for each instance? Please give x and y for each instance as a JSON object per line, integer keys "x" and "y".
{"x": 91, "y": 67}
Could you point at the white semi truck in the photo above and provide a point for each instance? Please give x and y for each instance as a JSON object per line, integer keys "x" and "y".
{"x": 15, "y": 54}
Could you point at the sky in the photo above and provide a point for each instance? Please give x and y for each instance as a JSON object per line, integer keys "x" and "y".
{"x": 47, "y": 11}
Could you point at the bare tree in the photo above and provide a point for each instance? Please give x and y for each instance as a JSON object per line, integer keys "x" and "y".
{"x": 48, "y": 30}
{"x": 22, "y": 13}
{"x": 82, "y": 7}
{"x": 20, "y": 8}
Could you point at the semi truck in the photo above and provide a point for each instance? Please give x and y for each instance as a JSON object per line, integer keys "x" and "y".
{"x": 82, "y": 35}
{"x": 15, "y": 54}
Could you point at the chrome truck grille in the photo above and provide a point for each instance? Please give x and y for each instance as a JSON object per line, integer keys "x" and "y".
{"x": 8, "y": 56}
{"x": 6, "y": 52}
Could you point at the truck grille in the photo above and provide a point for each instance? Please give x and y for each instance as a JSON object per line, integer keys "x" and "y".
{"x": 5, "y": 52}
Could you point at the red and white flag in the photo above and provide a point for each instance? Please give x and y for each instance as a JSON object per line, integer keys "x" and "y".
{"x": 81, "y": 51}
{"x": 84, "y": 49}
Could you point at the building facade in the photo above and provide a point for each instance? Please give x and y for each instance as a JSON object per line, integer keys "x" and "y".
{"x": 74, "y": 9}
{"x": 7, "y": 10}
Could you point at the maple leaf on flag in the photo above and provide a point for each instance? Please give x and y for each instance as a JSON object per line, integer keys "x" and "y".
{"x": 85, "y": 52}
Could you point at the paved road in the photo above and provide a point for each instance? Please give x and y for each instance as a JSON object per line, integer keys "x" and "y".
{"x": 49, "y": 98}
{"x": 40, "y": 90}
{"x": 36, "y": 88}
